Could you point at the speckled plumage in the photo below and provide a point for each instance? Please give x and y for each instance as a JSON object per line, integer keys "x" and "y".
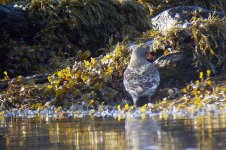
{"x": 141, "y": 78}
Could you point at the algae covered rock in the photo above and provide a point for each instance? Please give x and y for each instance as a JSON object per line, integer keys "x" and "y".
{"x": 181, "y": 17}
{"x": 197, "y": 33}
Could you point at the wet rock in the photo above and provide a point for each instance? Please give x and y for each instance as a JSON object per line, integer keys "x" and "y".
{"x": 35, "y": 79}
{"x": 13, "y": 20}
{"x": 177, "y": 66}
{"x": 39, "y": 79}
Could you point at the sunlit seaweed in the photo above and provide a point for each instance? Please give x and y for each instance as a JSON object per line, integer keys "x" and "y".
{"x": 24, "y": 94}
{"x": 97, "y": 80}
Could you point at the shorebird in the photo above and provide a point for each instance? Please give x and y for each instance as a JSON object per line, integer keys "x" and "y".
{"x": 141, "y": 78}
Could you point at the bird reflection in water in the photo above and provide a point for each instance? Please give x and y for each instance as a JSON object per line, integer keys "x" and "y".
{"x": 142, "y": 134}
{"x": 172, "y": 133}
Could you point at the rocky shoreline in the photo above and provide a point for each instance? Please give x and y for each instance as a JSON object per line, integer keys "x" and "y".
{"x": 186, "y": 43}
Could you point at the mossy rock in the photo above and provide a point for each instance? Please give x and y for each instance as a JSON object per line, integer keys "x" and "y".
{"x": 181, "y": 16}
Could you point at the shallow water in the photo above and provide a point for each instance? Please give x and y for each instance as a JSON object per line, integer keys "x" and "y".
{"x": 201, "y": 132}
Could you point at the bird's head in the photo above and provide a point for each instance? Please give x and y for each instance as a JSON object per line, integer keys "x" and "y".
{"x": 141, "y": 50}
{"x": 141, "y": 53}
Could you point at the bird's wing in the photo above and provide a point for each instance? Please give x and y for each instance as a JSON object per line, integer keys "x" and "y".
{"x": 141, "y": 81}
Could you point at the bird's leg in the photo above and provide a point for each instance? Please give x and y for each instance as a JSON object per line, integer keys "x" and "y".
{"x": 134, "y": 100}
{"x": 149, "y": 98}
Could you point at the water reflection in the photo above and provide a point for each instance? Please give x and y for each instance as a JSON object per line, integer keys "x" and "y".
{"x": 142, "y": 134}
{"x": 202, "y": 132}
{"x": 37, "y": 133}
